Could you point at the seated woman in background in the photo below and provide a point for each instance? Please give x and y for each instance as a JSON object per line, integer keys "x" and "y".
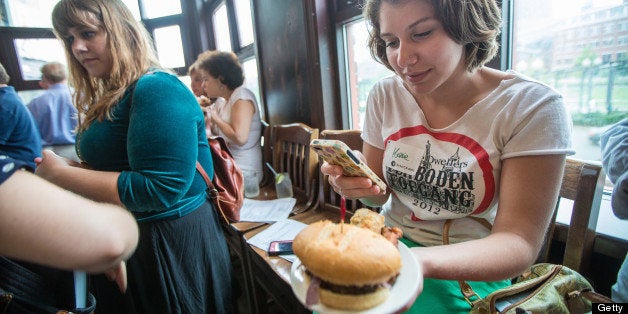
{"x": 196, "y": 85}
{"x": 238, "y": 120}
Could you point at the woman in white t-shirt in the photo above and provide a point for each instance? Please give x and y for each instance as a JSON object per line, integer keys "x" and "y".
{"x": 238, "y": 118}
{"x": 454, "y": 139}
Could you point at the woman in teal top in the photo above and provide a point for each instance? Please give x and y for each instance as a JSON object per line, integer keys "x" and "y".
{"x": 141, "y": 132}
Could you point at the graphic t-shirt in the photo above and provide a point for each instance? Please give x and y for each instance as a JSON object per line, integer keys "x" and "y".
{"x": 453, "y": 172}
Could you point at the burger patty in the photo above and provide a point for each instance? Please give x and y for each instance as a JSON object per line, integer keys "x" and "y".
{"x": 344, "y": 289}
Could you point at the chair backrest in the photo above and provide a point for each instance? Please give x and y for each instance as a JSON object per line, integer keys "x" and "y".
{"x": 328, "y": 199}
{"x": 267, "y": 152}
{"x": 292, "y": 154}
{"x": 583, "y": 183}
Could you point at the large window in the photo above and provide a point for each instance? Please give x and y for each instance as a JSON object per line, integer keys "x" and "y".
{"x": 222, "y": 34}
{"x": 577, "y": 47}
{"x": 362, "y": 71}
{"x": 232, "y": 27}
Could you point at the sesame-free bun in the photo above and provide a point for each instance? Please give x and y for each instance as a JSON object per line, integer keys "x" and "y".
{"x": 353, "y": 257}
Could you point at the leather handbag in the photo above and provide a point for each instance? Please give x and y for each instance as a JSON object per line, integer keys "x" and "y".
{"x": 542, "y": 288}
{"x": 227, "y": 189}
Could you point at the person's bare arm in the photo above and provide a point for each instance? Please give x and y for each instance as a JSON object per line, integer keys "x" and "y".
{"x": 528, "y": 191}
{"x": 241, "y": 116}
{"x": 44, "y": 224}
{"x": 101, "y": 186}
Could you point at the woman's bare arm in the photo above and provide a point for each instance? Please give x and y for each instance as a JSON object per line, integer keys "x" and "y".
{"x": 241, "y": 116}
{"x": 45, "y": 224}
{"x": 101, "y": 186}
{"x": 528, "y": 191}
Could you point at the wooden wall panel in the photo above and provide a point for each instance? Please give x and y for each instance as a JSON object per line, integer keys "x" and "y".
{"x": 283, "y": 56}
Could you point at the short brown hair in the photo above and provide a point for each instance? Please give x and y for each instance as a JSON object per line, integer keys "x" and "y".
{"x": 475, "y": 24}
{"x": 54, "y": 72}
{"x": 223, "y": 65}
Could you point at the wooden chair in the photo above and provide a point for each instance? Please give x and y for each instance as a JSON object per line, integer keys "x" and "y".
{"x": 291, "y": 153}
{"x": 267, "y": 153}
{"x": 583, "y": 182}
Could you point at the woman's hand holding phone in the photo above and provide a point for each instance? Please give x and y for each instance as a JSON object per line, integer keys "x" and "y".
{"x": 350, "y": 187}
{"x": 348, "y": 173}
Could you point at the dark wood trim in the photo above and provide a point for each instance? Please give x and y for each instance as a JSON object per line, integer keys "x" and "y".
{"x": 9, "y": 57}
{"x": 603, "y": 244}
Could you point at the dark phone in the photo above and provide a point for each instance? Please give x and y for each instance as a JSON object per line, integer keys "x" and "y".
{"x": 280, "y": 247}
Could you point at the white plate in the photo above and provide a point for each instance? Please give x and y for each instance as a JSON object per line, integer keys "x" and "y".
{"x": 407, "y": 287}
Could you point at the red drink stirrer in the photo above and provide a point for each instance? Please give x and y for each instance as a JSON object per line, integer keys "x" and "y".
{"x": 343, "y": 211}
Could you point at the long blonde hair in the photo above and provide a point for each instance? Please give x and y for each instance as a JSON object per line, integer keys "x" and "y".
{"x": 129, "y": 44}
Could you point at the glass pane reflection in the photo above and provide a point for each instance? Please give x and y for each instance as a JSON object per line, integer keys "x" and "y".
{"x": 221, "y": 28}
{"x": 33, "y": 53}
{"x": 362, "y": 71}
{"x": 134, "y": 7}
{"x": 159, "y": 8}
{"x": 245, "y": 22}
{"x": 21, "y": 13}
{"x": 251, "y": 80}
{"x": 169, "y": 46}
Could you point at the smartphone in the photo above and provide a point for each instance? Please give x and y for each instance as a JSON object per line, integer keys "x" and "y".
{"x": 338, "y": 153}
{"x": 282, "y": 247}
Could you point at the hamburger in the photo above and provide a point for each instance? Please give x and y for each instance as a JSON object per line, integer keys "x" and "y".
{"x": 350, "y": 268}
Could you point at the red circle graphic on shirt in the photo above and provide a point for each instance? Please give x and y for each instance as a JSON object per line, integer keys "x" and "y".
{"x": 463, "y": 141}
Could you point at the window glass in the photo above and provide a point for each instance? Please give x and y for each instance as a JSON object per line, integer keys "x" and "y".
{"x": 33, "y": 53}
{"x": 251, "y": 80}
{"x": 169, "y": 46}
{"x": 245, "y": 22}
{"x": 21, "y": 13}
{"x": 134, "y": 8}
{"x": 221, "y": 28}
{"x": 362, "y": 70}
{"x": 568, "y": 45}
{"x": 159, "y": 8}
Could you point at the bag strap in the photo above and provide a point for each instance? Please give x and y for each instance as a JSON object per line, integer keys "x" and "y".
{"x": 213, "y": 192}
{"x": 467, "y": 292}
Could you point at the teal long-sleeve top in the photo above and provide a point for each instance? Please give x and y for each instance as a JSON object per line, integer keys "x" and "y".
{"x": 154, "y": 139}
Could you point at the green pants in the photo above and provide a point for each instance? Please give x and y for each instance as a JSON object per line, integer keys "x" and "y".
{"x": 444, "y": 296}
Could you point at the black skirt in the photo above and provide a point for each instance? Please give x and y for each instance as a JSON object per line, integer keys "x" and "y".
{"x": 180, "y": 266}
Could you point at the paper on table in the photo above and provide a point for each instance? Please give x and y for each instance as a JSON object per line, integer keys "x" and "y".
{"x": 285, "y": 229}
{"x": 266, "y": 211}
